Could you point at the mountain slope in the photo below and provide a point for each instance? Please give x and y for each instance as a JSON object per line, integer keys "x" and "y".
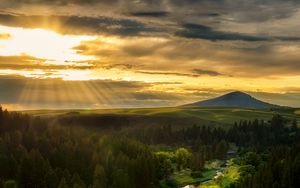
{"x": 233, "y": 99}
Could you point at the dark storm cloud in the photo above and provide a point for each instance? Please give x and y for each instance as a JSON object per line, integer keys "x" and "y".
{"x": 198, "y": 31}
{"x": 123, "y": 27}
{"x": 203, "y": 19}
{"x": 206, "y": 72}
{"x": 78, "y": 25}
{"x": 287, "y": 38}
{"x": 194, "y": 73}
{"x": 150, "y": 14}
{"x": 241, "y": 10}
{"x": 57, "y": 2}
{"x": 205, "y": 32}
{"x": 168, "y": 73}
{"x": 212, "y": 14}
{"x": 195, "y": 58}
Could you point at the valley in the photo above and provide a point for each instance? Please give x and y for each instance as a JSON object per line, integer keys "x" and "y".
{"x": 167, "y": 147}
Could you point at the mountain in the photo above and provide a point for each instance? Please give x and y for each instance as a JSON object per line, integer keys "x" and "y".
{"x": 233, "y": 99}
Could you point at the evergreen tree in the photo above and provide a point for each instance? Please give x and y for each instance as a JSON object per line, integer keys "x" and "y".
{"x": 1, "y": 118}
{"x": 99, "y": 180}
{"x": 63, "y": 183}
{"x": 51, "y": 179}
{"x": 294, "y": 125}
{"x": 77, "y": 182}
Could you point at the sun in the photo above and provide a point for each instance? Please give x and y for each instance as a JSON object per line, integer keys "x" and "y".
{"x": 41, "y": 43}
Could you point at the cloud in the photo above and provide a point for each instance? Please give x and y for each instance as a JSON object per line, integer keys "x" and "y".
{"x": 27, "y": 62}
{"x": 21, "y": 60}
{"x": 142, "y": 50}
{"x": 206, "y": 72}
{"x": 127, "y": 27}
{"x": 4, "y": 36}
{"x": 217, "y": 20}
{"x": 57, "y": 2}
{"x": 285, "y": 98}
{"x": 205, "y": 32}
{"x": 241, "y": 10}
{"x": 168, "y": 73}
{"x": 195, "y": 43}
{"x": 182, "y": 10}
{"x": 194, "y": 73}
{"x": 55, "y": 93}
{"x": 118, "y": 66}
{"x": 195, "y": 58}
{"x": 150, "y": 14}
{"x": 79, "y": 24}
{"x": 30, "y": 93}
{"x": 212, "y": 14}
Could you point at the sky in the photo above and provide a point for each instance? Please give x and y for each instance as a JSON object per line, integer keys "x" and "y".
{"x": 146, "y": 53}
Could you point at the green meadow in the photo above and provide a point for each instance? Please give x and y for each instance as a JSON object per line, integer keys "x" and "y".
{"x": 199, "y": 115}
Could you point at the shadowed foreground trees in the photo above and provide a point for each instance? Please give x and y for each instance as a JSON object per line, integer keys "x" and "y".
{"x": 281, "y": 169}
{"x": 35, "y": 154}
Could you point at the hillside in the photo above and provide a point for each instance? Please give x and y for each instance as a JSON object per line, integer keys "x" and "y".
{"x": 162, "y": 116}
{"x": 233, "y": 99}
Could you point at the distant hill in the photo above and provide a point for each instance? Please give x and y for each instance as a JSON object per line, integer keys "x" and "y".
{"x": 234, "y": 99}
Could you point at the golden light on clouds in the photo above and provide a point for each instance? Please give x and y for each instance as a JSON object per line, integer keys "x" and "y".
{"x": 110, "y": 54}
{"x": 49, "y": 48}
{"x": 70, "y": 71}
{"x": 4, "y": 36}
{"x": 40, "y": 43}
{"x": 75, "y": 74}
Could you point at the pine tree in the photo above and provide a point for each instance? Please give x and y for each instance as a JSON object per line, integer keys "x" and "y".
{"x": 77, "y": 181}
{"x": 1, "y": 118}
{"x": 120, "y": 179}
{"x": 63, "y": 183}
{"x": 99, "y": 179}
{"x": 51, "y": 179}
{"x": 294, "y": 125}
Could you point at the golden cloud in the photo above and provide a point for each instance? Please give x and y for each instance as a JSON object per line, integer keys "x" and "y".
{"x": 4, "y": 36}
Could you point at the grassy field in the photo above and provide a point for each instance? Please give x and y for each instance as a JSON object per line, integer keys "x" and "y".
{"x": 208, "y": 186}
{"x": 230, "y": 174}
{"x": 183, "y": 177}
{"x": 200, "y": 115}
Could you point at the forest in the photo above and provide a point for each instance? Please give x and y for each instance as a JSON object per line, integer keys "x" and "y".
{"x": 35, "y": 153}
